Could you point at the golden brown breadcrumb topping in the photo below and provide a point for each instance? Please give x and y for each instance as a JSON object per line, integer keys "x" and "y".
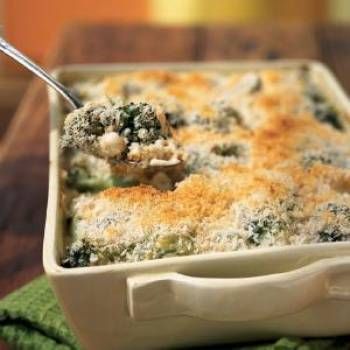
{"x": 268, "y": 159}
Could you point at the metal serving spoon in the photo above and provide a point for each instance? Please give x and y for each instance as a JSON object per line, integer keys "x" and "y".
{"x": 16, "y": 55}
{"x": 74, "y": 101}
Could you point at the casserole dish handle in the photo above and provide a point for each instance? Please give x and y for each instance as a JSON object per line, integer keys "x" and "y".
{"x": 238, "y": 299}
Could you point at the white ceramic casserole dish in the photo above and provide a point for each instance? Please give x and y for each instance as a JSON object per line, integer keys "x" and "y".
{"x": 203, "y": 299}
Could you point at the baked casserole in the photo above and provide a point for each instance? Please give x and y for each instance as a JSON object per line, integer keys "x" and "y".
{"x": 265, "y": 160}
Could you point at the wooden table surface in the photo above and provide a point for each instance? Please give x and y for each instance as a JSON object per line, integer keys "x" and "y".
{"x": 24, "y": 150}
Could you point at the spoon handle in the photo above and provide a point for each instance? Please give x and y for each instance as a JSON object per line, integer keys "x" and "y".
{"x": 16, "y": 55}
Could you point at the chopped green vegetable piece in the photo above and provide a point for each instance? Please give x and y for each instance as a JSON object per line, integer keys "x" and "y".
{"x": 136, "y": 122}
{"x": 79, "y": 179}
{"x": 330, "y": 234}
{"x": 228, "y": 150}
{"x": 322, "y": 109}
{"x": 258, "y": 228}
{"x": 176, "y": 120}
{"x": 171, "y": 245}
{"x": 79, "y": 254}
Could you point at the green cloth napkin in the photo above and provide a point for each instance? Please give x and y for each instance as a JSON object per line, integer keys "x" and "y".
{"x": 30, "y": 319}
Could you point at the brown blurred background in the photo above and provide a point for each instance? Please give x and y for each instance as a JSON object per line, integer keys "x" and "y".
{"x": 34, "y": 26}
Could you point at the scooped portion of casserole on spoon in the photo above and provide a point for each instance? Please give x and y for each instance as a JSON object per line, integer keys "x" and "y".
{"x": 136, "y": 134}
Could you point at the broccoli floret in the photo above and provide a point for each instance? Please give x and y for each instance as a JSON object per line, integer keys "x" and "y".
{"x": 227, "y": 116}
{"x": 114, "y": 253}
{"x": 173, "y": 245}
{"x": 334, "y": 233}
{"x": 82, "y": 127}
{"x": 228, "y": 150}
{"x": 176, "y": 120}
{"x": 326, "y": 155}
{"x": 139, "y": 123}
{"x": 82, "y": 253}
{"x": 339, "y": 209}
{"x": 322, "y": 109}
{"x": 134, "y": 122}
{"x": 311, "y": 158}
{"x": 314, "y": 94}
{"x": 82, "y": 181}
{"x": 161, "y": 246}
{"x": 227, "y": 111}
{"x": 79, "y": 254}
{"x": 258, "y": 228}
{"x": 325, "y": 113}
{"x": 330, "y": 234}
